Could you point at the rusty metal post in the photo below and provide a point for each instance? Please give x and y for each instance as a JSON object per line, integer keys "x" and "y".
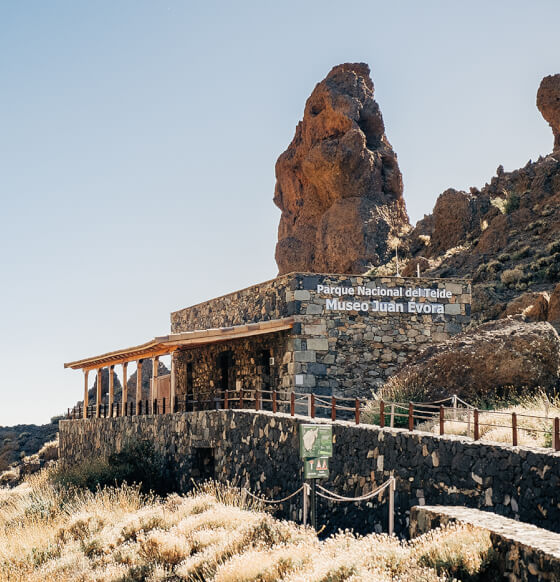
{"x": 293, "y": 403}
{"x": 312, "y": 406}
{"x": 441, "y": 420}
{"x": 241, "y": 399}
{"x": 514, "y": 428}
{"x": 226, "y": 403}
{"x": 257, "y": 401}
{"x": 410, "y": 416}
{"x": 382, "y": 414}
{"x": 274, "y": 402}
{"x": 357, "y": 411}
{"x": 557, "y": 434}
{"x": 476, "y": 427}
{"x": 333, "y": 408}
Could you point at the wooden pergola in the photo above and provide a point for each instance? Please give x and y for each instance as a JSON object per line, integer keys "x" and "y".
{"x": 158, "y": 347}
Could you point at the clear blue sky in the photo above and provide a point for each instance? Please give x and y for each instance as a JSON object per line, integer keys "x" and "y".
{"x": 138, "y": 141}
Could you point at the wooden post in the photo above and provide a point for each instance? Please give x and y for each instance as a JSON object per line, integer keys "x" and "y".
{"x": 441, "y": 420}
{"x": 98, "y": 396}
{"x": 124, "y": 393}
{"x": 293, "y": 403}
{"x": 382, "y": 414}
{"x": 357, "y": 412}
{"x": 257, "y": 401}
{"x": 410, "y": 416}
{"x": 139, "y": 387}
{"x": 274, "y": 402}
{"x": 173, "y": 387}
{"x": 557, "y": 434}
{"x": 111, "y": 388}
{"x": 241, "y": 399}
{"x": 476, "y": 427}
{"x": 86, "y": 396}
{"x": 153, "y": 385}
{"x": 514, "y": 428}
{"x": 333, "y": 408}
{"x": 226, "y": 403}
{"x": 312, "y": 405}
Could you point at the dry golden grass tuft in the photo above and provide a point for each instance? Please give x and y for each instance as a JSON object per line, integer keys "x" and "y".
{"x": 215, "y": 534}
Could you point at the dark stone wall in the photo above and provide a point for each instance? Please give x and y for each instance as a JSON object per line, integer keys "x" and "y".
{"x": 260, "y": 451}
{"x": 248, "y": 368}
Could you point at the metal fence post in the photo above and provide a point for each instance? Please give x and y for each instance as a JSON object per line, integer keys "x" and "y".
{"x": 357, "y": 413}
{"x": 382, "y": 414}
{"x": 293, "y": 403}
{"x": 410, "y": 416}
{"x": 274, "y": 402}
{"x": 312, "y": 405}
{"x": 441, "y": 420}
{"x": 392, "y": 487}
{"x": 305, "y": 502}
{"x": 557, "y": 434}
{"x": 333, "y": 408}
{"x": 392, "y": 415}
{"x": 514, "y": 428}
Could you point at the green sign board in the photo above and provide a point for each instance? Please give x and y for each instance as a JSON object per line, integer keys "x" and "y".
{"x": 316, "y": 468}
{"x": 315, "y": 440}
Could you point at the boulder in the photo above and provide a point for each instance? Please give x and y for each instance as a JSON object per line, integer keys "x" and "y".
{"x": 338, "y": 185}
{"x": 534, "y": 306}
{"x": 554, "y": 308}
{"x": 509, "y": 353}
{"x": 548, "y": 102}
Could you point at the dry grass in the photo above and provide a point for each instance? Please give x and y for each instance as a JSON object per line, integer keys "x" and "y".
{"x": 214, "y": 534}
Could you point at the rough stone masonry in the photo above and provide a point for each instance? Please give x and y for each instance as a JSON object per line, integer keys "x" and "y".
{"x": 350, "y": 333}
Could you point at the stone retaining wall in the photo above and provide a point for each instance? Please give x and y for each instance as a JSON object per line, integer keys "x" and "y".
{"x": 260, "y": 450}
{"x": 525, "y": 552}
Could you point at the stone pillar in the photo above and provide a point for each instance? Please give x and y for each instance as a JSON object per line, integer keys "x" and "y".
{"x": 124, "y": 393}
{"x": 111, "y": 389}
{"x": 98, "y": 396}
{"x": 153, "y": 386}
{"x": 138, "y": 385}
{"x": 173, "y": 387}
{"x": 86, "y": 397}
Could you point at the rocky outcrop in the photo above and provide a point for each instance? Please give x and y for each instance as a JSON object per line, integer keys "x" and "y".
{"x": 505, "y": 235}
{"x": 554, "y": 308}
{"x": 548, "y": 102}
{"x": 508, "y": 353}
{"x": 534, "y": 306}
{"x": 339, "y": 186}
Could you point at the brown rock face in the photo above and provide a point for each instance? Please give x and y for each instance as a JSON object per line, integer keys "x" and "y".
{"x": 554, "y": 308}
{"x": 534, "y": 306}
{"x": 504, "y": 353}
{"x": 338, "y": 185}
{"x": 548, "y": 102}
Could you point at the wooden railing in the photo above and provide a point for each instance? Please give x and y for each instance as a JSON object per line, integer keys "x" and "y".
{"x": 410, "y": 415}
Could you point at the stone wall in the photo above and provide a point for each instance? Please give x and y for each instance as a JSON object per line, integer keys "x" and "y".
{"x": 249, "y": 368}
{"x": 351, "y": 332}
{"x": 524, "y": 551}
{"x": 260, "y": 450}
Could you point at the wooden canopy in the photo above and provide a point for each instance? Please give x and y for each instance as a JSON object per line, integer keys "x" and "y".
{"x": 167, "y": 344}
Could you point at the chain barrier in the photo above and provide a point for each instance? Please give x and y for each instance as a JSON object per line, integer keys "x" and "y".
{"x": 337, "y": 497}
{"x": 273, "y": 500}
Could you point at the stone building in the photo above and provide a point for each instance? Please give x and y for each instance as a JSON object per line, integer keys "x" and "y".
{"x": 339, "y": 335}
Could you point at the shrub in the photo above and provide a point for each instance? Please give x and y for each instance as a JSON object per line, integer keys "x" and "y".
{"x": 512, "y": 203}
{"x": 137, "y": 462}
{"x": 522, "y": 253}
{"x": 553, "y": 247}
{"x": 511, "y": 276}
